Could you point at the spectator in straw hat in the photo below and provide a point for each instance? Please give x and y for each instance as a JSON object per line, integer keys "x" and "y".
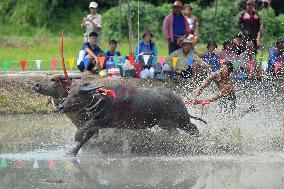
{"x": 175, "y": 26}
{"x": 92, "y": 22}
{"x": 188, "y": 62}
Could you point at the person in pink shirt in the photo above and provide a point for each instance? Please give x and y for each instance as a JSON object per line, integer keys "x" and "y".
{"x": 175, "y": 25}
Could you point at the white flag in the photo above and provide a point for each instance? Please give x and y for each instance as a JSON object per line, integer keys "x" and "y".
{"x": 38, "y": 62}
{"x": 264, "y": 65}
{"x": 146, "y": 58}
{"x": 35, "y": 166}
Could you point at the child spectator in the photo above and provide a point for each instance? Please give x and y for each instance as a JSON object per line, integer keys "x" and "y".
{"x": 228, "y": 52}
{"x": 248, "y": 63}
{"x": 240, "y": 44}
{"x": 276, "y": 56}
{"x": 211, "y": 57}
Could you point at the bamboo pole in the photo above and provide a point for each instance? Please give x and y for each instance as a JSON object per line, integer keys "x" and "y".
{"x": 130, "y": 32}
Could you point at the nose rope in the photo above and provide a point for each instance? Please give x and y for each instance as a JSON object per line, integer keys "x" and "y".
{"x": 201, "y": 102}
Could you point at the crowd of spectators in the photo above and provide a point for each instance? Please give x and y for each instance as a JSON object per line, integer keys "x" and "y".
{"x": 181, "y": 31}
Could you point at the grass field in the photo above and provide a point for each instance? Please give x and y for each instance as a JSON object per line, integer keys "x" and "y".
{"x": 47, "y": 48}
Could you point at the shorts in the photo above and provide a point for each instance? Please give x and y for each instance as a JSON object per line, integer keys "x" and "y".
{"x": 81, "y": 66}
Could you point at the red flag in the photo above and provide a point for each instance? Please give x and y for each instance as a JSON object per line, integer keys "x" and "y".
{"x": 101, "y": 61}
{"x": 131, "y": 58}
{"x": 23, "y": 64}
{"x": 53, "y": 64}
{"x": 276, "y": 67}
{"x": 250, "y": 65}
{"x": 51, "y": 164}
{"x": 21, "y": 164}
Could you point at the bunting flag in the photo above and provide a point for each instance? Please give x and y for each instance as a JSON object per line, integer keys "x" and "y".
{"x": 3, "y": 163}
{"x": 236, "y": 65}
{"x": 38, "y": 62}
{"x": 264, "y": 66}
{"x": 53, "y": 64}
{"x": 21, "y": 164}
{"x": 276, "y": 66}
{"x": 51, "y": 164}
{"x": 161, "y": 60}
{"x": 250, "y": 65}
{"x": 35, "y": 165}
{"x": 68, "y": 165}
{"x": 116, "y": 60}
{"x": 175, "y": 59}
{"x": 86, "y": 62}
{"x": 146, "y": 58}
{"x": 131, "y": 58}
{"x": 190, "y": 61}
{"x": 23, "y": 65}
{"x": 122, "y": 59}
{"x": 6, "y": 65}
{"x": 102, "y": 61}
{"x": 70, "y": 62}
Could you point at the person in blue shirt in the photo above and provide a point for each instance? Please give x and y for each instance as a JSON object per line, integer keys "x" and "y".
{"x": 112, "y": 49}
{"x": 276, "y": 54}
{"x": 89, "y": 51}
{"x": 211, "y": 57}
{"x": 146, "y": 47}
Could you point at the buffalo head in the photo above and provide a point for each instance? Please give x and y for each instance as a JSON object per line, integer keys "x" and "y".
{"x": 81, "y": 96}
{"x": 53, "y": 86}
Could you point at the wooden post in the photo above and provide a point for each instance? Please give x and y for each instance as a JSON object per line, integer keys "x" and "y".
{"x": 119, "y": 25}
{"x": 129, "y": 26}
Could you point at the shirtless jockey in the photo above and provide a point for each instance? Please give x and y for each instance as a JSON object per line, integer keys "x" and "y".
{"x": 225, "y": 93}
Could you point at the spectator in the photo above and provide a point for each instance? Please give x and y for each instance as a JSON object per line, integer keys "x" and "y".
{"x": 146, "y": 47}
{"x": 211, "y": 57}
{"x": 90, "y": 51}
{"x": 112, "y": 49}
{"x": 248, "y": 63}
{"x": 249, "y": 23}
{"x": 192, "y": 21}
{"x": 183, "y": 67}
{"x": 240, "y": 44}
{"x": 228, "y": 52}
{"x": 92, "y": 22}
{"x": 174, "y": 26}
{"x": 276, "y": 56}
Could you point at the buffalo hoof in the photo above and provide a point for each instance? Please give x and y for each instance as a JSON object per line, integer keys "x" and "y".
{"x": 193, "y": 131}
{"x": 72, "y": 152}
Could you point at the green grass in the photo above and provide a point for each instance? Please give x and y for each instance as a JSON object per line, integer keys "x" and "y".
{"x": 46, "y": 48}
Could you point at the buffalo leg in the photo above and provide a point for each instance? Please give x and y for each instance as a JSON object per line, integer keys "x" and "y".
{"x": 87, "y": 131}
{"x": 85, "y": 139}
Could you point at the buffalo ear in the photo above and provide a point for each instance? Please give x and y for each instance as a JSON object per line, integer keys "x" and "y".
{"x": 88, "y": 88}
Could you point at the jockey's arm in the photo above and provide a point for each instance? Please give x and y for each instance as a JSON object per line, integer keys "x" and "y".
{"x": 204, "y": 84}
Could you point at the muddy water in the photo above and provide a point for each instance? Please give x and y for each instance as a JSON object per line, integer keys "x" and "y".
{"x": 233, "y": 151}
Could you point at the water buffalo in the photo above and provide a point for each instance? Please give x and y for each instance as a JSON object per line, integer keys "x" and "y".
{"x": 57, "y": 88}
{"x": 125, "y": 107}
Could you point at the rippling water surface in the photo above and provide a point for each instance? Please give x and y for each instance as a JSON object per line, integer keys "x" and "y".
{"x": 241, "y": 150}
